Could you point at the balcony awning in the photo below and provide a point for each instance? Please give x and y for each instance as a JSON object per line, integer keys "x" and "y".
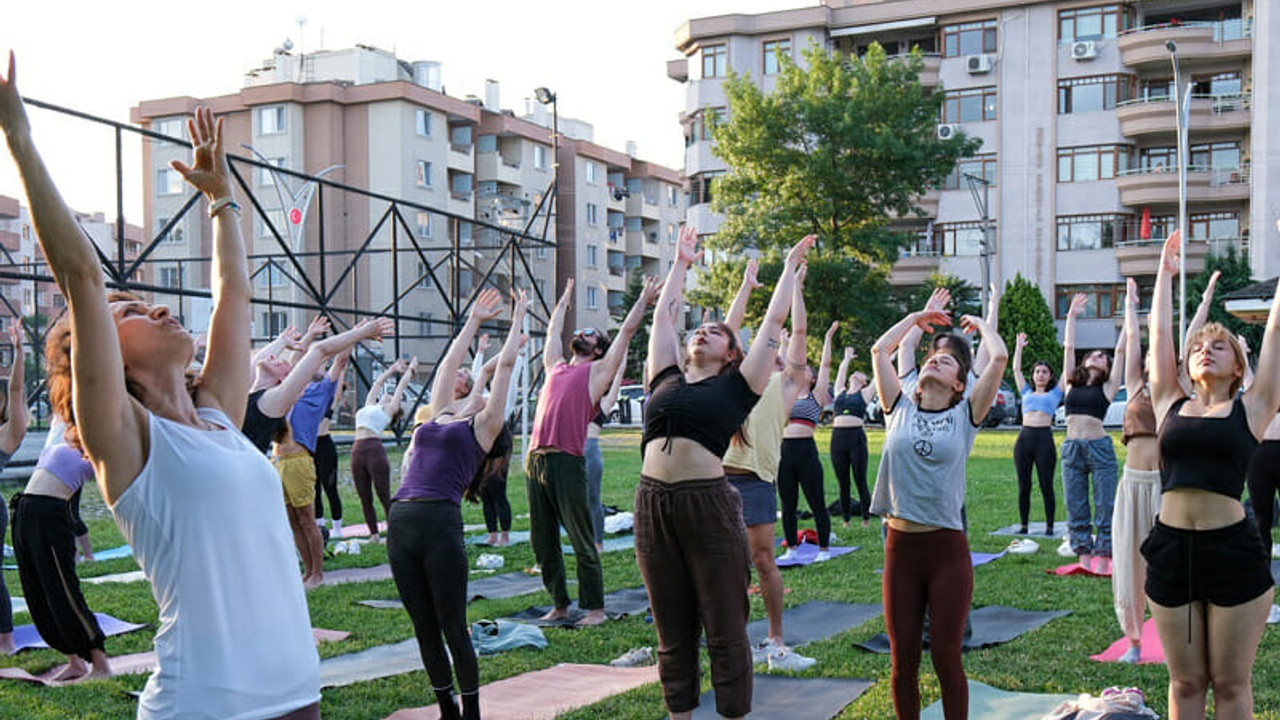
{"x": 883, "y": 27}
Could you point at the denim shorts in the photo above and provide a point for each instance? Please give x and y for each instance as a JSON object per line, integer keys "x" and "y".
{"x": 759, "y": 499}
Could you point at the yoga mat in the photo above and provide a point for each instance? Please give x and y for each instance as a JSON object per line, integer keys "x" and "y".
{"x": 980, "y": 558}
{"x": 19, "y": 604}
{"x": 1075, "y": 569}
{"x": 546, "y": 694}
{"x": 775, "y": 696}
{"x": 988, "y": 702}
{"x": 1036, "y": 529}
{"x": 1152, "y": 650}
{"x": 352, "y": 575}
{"x": 806, "y": 554}
{"x": 992, "y": 625}
{"x": 123, "y": 551}
{"x": 382, "y": 604}
{"x": 127, "y": 577}
{"x": 815, "y": 620}
{"x": 371, "y": 664}
{"x": 26, "y": 636}
{"x": 507, "y": 585}
{"x": 617, "y": 604}
{"x": 359, "y": 530}
{"x": 517, "y": 537}
{"x": 626, "y": 542}
{"x": 1275, "y": 571}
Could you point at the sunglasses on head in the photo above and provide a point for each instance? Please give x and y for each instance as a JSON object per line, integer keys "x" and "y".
{"x": 585, "y": 332}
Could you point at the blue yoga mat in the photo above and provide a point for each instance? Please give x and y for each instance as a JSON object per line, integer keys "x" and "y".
{"x": 517, "y": 537}
{"x": 988, "y": 702}
{"x": 123, "y": 551}
{"x": 981, "y": 558}
{"x": 26, "y": 636}
{"x": 626, "y": 542}
{"x": 806, "y": 554}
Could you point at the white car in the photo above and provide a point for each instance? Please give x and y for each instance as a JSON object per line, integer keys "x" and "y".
{"x": 1115, "y": 412}
{"x": 633, "y": 396}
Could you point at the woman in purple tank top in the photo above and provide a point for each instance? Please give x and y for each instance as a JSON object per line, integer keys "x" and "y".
{"x": 424, "y": 528}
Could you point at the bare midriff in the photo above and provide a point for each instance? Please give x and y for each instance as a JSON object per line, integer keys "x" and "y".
{"x": 1036, "y": 419}
{"x": 904, "y": 525}
{"x": 1195, "y": 509}
{"x": 847, "y": 421}
{"x": 363, "y": 433}
{"x": 1143, "y": 453}
{"x": 47, "y": 484}
{"x": 1084, "y": 427}
{"x": 687, "y": 460}
{"x": 797, "y": 431}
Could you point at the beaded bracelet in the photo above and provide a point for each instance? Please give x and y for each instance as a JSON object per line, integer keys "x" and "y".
{"x": 224, "y": 203}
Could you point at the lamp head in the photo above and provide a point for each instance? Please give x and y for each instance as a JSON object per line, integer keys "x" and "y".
{"x": 544, "y": 95}
{"x": 1171, "y": 46}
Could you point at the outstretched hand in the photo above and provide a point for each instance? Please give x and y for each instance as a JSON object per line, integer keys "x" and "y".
{"x": 209, "y": 173}
{"x": 796, "y": 254}
{"x": 1208, "y": 289}
{"x": 831, "y": 331}
{"x": 849, "y": 354}
{"x": 935, "y": 312}
{"x": 749, "y": 276}
{"x": 13, "y": 112}
{"x": 652, "y": 289}
{"x": 15, "y": 337}
{"x": 374, "y": 329}
{"x": 1078, "y": 303}
{"x": 1170, "y": 255}
{"x": 489, "y": 304}
{"x": 1021, "y": 340}
{"x": 687, "y": 250}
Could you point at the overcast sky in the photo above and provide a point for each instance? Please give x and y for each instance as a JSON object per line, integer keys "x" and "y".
{"x": 605, "y": 60}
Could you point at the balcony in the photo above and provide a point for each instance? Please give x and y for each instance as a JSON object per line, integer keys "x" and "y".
{"x": 12, "y": 241}
{"x": 928, "y": 73}
{"x": 928, "y": 202}
{"x": 617, "y": 199}
{"x": 639, "y": 206}
{"x": 617, "y": 238}
{"x": 493, "y": 166}
{"x": 914, "y": 268}
{"x": 1159, "y": 185}
{"x": 1209, "y": 113}
{"x": 1144, "y": 47}
{"x": 678, "y": 70}
{"x": 1142, "y": 257}
{"x": 461, "y": 203}
{"x": 461, "y": 158}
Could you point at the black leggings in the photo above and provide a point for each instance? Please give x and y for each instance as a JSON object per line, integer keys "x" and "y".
{"x": 800, "y": 469}
{"x": 429, "y": 563}
{"x": 849, "y": 450}
{"x": 1035, "y": 447}
{"x": 1264, "y": 482}
{"x": 493, "y": 491}
{"x": 326, "y": 457}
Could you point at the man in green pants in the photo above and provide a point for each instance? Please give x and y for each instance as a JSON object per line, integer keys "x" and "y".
{"x": 556, "y": 469}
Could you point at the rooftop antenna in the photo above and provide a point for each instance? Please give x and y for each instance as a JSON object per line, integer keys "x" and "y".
{"x": 302, "y": 47}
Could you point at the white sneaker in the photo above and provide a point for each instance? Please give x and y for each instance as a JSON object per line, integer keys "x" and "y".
{"x": 788, "y": 555}
{"x": 1273, "y": 616}
{"x": 1024, "y": 547}
{"x": 1065, "y": 549}
{"x": 636, "y": 657}
{"x": 787, "y": 660}
{"x": 823, "y": 556}
{"x": 761, "y": 651}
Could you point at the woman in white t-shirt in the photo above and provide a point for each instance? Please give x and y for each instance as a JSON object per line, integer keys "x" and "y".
{"x": 200, "y": 506}
{"x": 919, "y": 495}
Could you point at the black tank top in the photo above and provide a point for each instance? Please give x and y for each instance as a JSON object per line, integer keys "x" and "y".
{"x": 707, "y": 412}
{"x": 851, "y": 403}
{"x": 1206, "y": 453}
{"x": 1088, "y": 400}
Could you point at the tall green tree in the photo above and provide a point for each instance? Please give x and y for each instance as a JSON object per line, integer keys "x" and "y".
{"x": 1023, "y": 309}
{"x": 638, "y": 350}
{"x": 1236, "y": 273}
{"x": 840, "y": 146}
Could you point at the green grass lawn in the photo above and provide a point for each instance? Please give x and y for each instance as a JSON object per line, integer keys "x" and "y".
{"x": 1052, "y": 659}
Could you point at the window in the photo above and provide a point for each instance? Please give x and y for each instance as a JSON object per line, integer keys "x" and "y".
{"x": 1093, "y": 162}
{"x": 1092, "y": 232}
{"x": 168, "y": 182}
{"x": 774, "y": 51}
{"x": 705, "y": 122}
{"x": 460, "y": 138}
{"x": 969, "y": 38}
{"x": 1095, "y": 23}
{"x": 1215, "y": 156}
{"x": 1227, "y": 83}
{"x": 424, "y": 174}
{"x": 715, "y": 61}
{"x": 974, "y": 105}
{"x": 593, "y": 256}
{"x": 983, "y": 166}
{"x": 593, "y": 214}
{"x": 700, "y": 187}
{"x": 541, "y": 252}
{"x": 170, "y": 277}
{"x": 171, "y": 127}
{"x": 1102, "y": 300}
{"x": 671, "y": 233}
{"x": 176, "y": 234}
{"x": 424, "y": 323}
{"x": 422, "y": 224}
{"x": 962, "y": 238}
{"x": 540, "y": 157}
{"x": 1214, "y": 226}
{"x": 1156, "y": 89}
{"x": 673, "y": 195}
{"x": 590, "y": 171}
{"x": 271, "y": 120}
{"x": 265, "y": 175}
{"x": 1087, "y": 94}
{"x": 273, "y": 323}
{"x": 422, "y": 122}
{"x": 592, "y": 301}
{"x": 272, "y": 275}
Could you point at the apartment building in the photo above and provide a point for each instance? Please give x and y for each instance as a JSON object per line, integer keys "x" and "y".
{"x": 368, "y": 120}
{"x": 1072, "y": 100}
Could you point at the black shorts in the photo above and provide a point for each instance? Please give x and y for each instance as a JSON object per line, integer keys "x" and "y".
{"x": 1225, "y": 566}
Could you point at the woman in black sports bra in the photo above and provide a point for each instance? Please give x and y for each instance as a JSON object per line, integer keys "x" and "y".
{"x": 849, "y": 439}
{"x": 691, "y": 545}
{"x": 1208, "y": 579}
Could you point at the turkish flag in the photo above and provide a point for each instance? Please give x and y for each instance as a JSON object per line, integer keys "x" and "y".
{"x": 1144, "y": 231}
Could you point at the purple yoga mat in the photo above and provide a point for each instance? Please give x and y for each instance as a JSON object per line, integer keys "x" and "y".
{"x": 981, "y": 558}
{"x": 25, "y": 636}
{"x": 807, "y": 553}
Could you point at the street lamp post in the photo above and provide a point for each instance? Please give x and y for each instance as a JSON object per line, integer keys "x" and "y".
{"x": 1182, "y": 105}
{"x": 984, "y": 210}
{"x": 546, "y": 97}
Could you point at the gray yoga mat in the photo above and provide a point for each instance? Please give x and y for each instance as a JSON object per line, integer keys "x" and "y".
{"x": 371, "y": 664}
{"x": 815, "y": 620}
{"x": 792, "y": 698}
{"x": 127, "y": 577}
{"x": 516, "y": 537}
{"x": 988, "y": 702}
{"x": 1035, "y": 529}
{"x": 992, "y": 625}
{"x": 613, "y": 544}
{"x": 1275, "y": 571}
{"x": 617, "y": 604}
{"x": 507, "y": 585}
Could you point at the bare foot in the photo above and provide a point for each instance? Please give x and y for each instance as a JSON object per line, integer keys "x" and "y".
{"x": 492, "y": 540}
{"x": 1086, "y": 562}
{"x": 504, "y": 539}
{"x": 1102, "y": 565}
{"x": 313, "y": 582}
{"x": 555, "y": 614}
{"x": 594, "y": 617}
{"x": 6, "y": 644}
{"x": 76, "y": 668}
{"x": 599, "y": 547}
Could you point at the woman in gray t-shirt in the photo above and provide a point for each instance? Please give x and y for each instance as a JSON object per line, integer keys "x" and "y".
{"x": 919, "y": 493}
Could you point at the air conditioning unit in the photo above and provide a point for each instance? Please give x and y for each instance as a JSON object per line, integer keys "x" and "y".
{"x": 948, "y": 131}
{"x": 1084, "y": 50}
{"x": 978, "y": 64}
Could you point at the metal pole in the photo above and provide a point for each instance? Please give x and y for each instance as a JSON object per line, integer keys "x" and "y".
{"x": 1181, "y": 97}
{"x": 983, "y": 203}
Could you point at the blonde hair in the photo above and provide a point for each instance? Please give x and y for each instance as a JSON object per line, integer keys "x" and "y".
{"x": 1213, "y": 332}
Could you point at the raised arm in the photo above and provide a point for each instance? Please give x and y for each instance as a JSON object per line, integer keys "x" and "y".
{"x": 276, "y": 401}
{"x": 1133, "y": 381}
{"x": 1116, "y": 377}
{"x": 758, "y": 364}
{"x": 611, "y": 396}
{"x": 486, "y": 307}
{"x": 553, "y": 345}
{"x": 662, "y": 352}
{"x": 842, "y": 374}
{"x": 822, "y": 390}
{"x": 15, "y": 421}
{"x": 341, "y": 359}
{"x": 477, "y": 360}
{"x": 112, "y": 426}
{"x": 1246, "y": 382}
{"x": 1019, "y": 381}
{"x": 375, "y": 387}
{"x": 794, "y": 349}
{"x": 389, "y": 407}
{"x": 318, "y": 327}
{"x": 490, "y": 419}
{"x": 1262, "y": 399}
{"x": 1197, "y": 321}
{"x": 1162, "y": 372}
{"x": 287, "y": 339}
{"x": 604, "y": 370}
{"x": 738, "y": 310}
{"x": 1069, "y": 339}
{"x": 992, "y": 317}
{"x": 910, "y": 343}
{"x": 885, "y": 376}
{"x": 988, "y": 383}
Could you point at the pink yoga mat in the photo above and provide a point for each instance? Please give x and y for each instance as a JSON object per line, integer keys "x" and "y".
{"x": 360, "y": 530}
{"x": 545, "y": 694}
{"x": 1152, "y": 650}
{"x": 1075, "y": 569}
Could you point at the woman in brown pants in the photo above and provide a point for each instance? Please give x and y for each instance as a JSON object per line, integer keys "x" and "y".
{"x": 370, "y": 469}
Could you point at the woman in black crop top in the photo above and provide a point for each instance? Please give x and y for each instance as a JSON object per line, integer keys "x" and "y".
{"x": 1088, "y": 454}
{"x": 849, "y": 439}
{"x": 799, "y": 467}
{"x": 1208, "y": 579}
{"x": 691, "y": 544}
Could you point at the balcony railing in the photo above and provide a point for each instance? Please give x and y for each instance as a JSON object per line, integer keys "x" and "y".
{"x": 1223, "y": 30}
{"x": 1222, "y": 102}
{"x": 1218, "y": 176}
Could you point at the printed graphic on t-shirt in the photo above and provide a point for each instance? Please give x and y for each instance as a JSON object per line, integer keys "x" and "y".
{"x": 926, "y": 427}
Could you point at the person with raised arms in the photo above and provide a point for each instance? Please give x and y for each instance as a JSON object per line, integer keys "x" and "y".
{"x": 853, "y": 393}
{"x": 12, "y": 432}
{"x": 1034, "y": 447}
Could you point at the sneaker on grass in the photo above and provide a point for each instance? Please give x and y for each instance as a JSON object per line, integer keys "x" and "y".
{"x": 788, "y": 555}
{"x": 761, "y": 651}
{"x": 785, "y": 659}
{"x": 635, "y": 657}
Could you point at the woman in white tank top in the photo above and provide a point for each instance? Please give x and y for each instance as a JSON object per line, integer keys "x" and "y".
{"x": 170, "y": 460}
